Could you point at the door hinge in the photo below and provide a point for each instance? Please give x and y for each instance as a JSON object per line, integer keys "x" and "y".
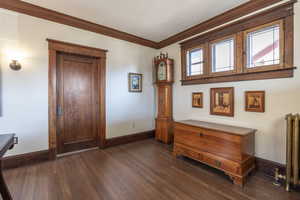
{"x": 59, "y": 111}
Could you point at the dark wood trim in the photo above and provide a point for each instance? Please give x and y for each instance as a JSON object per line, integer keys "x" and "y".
{"x": 282, "y": 47}
{"x": 273, "y": 74}
{"x": 25, "y": 159}
{"x": 230, "y": 15}
{"x": 52, "y": 104}
{"x": 282, "y": 14}
{"x": 263, "y": 166}
{"x": 41, "y": 156}
{"x": 267, "y": 167}
{"x": 54, "y": 48}
{"x": 51, "y": 15}
{"x": 284, "y": 10}
{"x": 102, "y": 93}
{"x": 289, "y": 41}
{"x": 76, "y": 49}
{"x": 129, "y": 138}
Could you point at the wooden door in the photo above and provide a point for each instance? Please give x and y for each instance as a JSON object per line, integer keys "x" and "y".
{"x": 77, "y": 102}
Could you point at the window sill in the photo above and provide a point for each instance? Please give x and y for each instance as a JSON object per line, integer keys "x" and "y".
{"x": 258, "y": 75}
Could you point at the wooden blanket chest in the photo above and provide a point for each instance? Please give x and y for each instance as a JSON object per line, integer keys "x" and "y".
{"x": 227, "y": 148}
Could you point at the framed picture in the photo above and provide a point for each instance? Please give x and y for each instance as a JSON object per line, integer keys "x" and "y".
{"x": 255, "y": 101}
{"x": 135, "y": 82}
{"x": 197, "y": 100}
{"x": 222, "y": 101}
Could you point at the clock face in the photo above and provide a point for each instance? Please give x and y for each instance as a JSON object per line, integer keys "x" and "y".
{"x": 162, "y": 71}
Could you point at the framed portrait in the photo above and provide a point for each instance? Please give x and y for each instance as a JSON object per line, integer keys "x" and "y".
{"x": 197, "y": 100}
{"x": 255, "y": 101}
{"x": 222, "y": 101}
{"x": 135, "y": 82}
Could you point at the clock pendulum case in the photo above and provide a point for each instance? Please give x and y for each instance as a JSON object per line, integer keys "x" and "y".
{"x": 164, "y": 81}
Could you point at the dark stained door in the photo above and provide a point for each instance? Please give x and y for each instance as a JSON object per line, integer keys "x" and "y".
{"x": 78, "y": 101}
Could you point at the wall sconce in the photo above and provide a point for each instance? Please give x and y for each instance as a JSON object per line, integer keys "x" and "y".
{"x": 15, "y": 65}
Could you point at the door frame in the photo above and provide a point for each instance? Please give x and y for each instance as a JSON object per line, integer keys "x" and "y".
{"x": 56, "y": 47}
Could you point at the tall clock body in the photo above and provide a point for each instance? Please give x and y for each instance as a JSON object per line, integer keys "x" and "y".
{"x": 164, "y": 82}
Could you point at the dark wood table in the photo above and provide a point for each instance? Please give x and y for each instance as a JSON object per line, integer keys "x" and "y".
{"x": 7, "y": 142}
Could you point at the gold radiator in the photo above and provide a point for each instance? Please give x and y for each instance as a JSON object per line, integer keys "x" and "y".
{"x": 292, "y": 152}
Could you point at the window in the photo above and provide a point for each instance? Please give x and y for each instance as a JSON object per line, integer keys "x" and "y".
{"x": 255, "y": 48}
{"x": 223, "y": 55}
{"x": 195, "y": 62}
{"x": 263, "y": 46}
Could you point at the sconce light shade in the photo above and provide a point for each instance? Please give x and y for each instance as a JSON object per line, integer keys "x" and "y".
{"x": 15, "y": 65}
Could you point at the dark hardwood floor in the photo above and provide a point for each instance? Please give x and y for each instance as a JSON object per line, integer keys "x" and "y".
{"x": 137, "y": 171}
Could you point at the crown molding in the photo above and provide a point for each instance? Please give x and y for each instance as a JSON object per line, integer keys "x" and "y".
{"x": 266, "y": 16}
{"x": 228, "y": 16}
{"x": 51, "y": 15}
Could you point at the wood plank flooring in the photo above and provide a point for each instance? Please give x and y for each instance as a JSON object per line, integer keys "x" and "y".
{"x": 143, "y": 170}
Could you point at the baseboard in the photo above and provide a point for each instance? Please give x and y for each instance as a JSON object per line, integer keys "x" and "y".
{"x": 268, "y": 167}
{"x": 40, "y": 156}
{"x": 129, "y": 138}
{"x": 265, "y": 167}
{"x": 25, "y": 159}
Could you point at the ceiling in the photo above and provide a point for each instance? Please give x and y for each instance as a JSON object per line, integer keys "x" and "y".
{"x": 155, "y": 20}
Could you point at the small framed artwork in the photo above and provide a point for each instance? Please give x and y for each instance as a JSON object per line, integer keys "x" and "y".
{"x": 222, "y": 101}
{"x": 255, "y": 101}
{"x": 197, "y": 100}
{"x": 135, "y": 82}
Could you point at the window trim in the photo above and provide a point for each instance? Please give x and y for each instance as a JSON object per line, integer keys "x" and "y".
{"x": 281, "y": 47}
{"x": 184, "y": 62}
{"x": 211, "y": 43}
{"x": 283, "y": 13}
{"x": 190, "y": 61}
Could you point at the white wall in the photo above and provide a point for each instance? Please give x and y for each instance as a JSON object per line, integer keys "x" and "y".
{"x": 282, "y": 97}
{"x": 24, "y": 94}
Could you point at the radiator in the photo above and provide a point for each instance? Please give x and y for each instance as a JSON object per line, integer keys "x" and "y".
{"x": 292, "y": 152}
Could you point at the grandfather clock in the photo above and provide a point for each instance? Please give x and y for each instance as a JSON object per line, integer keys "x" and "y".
{"x": 164, "y": 81}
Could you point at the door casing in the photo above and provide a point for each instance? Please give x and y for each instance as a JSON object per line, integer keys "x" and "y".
{"x": 56, "y": 47}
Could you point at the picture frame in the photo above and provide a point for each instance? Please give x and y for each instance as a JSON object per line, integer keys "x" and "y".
{"x": 135, "y": 82}
{"x": 255, "y": 101}
{"x": 222, "y": 101}
{"x": 197, "y": 99}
